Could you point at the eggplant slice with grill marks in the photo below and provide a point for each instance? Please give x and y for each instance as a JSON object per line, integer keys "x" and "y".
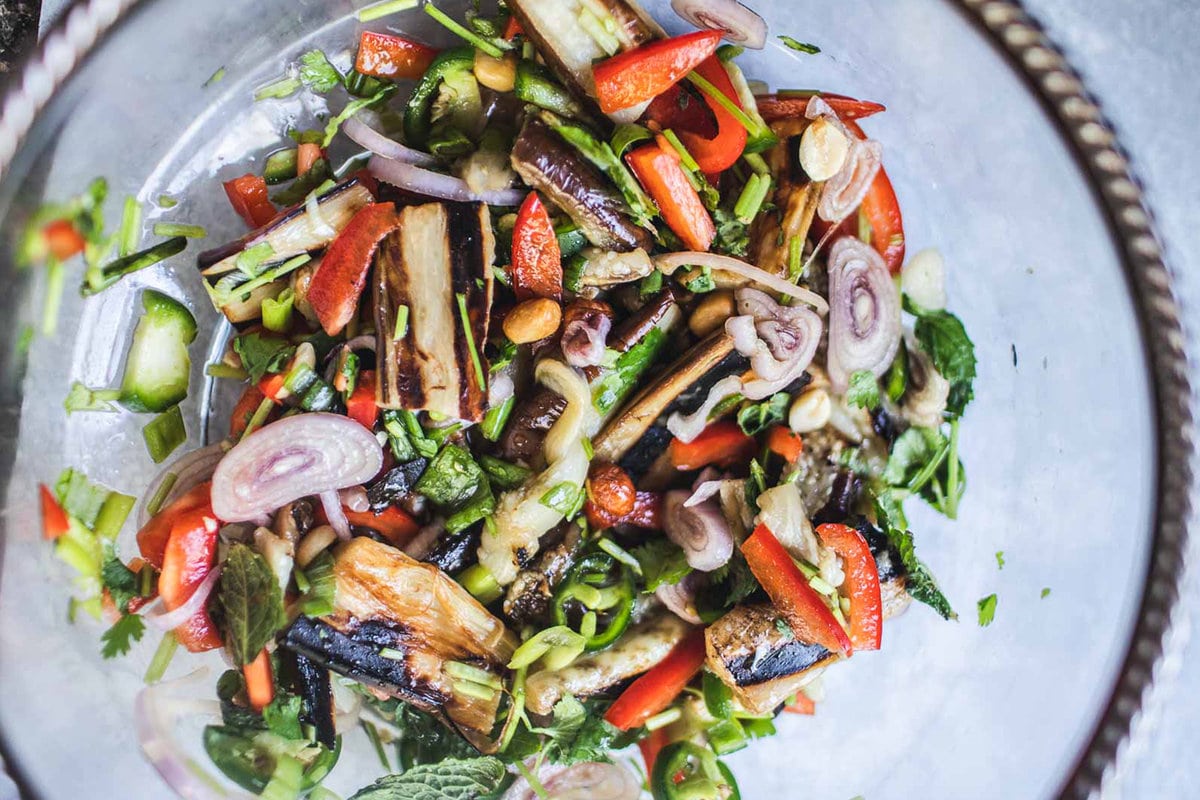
{"x": 437, "y": 263}
{"x": 553, "y": 167}
{"x": 398, "y": 625}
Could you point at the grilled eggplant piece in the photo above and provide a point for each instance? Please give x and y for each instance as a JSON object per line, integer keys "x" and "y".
{"x": 437, "y": 261}
{"x": 311, "y": 684}
{"x": 761, "y": 661}
{"x": 528, "y": 597}
{"x": 683, "y": 387}
{"x": 525, "y": 432}
{"x": 397, "y": 624}
{"x": 553, "y": 167}
{"x": 395, "y": 484}
{"x": 796, "y": 198}
{"x": 639, "y": 648}
{"x": 554, "y": 27}
{"x": 452, "y": 553}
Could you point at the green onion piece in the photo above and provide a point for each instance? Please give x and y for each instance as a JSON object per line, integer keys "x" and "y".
{"x": 118, "y": 269}
{"x": 166, "y": 201}
{"x": 470, "y": 36}
{"x": 391, "y": 654}
{"x": 164, "y": 433}
{"x": 795, "y": 258}
{"x": 223, "y": 370}
{"x": 55, "y": 277}
{"x": 162, "y": 658}
{"x": 541, "y": 643}
{"x": 260, "y": 416}
{"x": 179, "y": 229}
{"x": 402, "y": 322}
{"x": 563, "y": 498}
{"x": 146, "y": 581}
{"x": 952, "y": 490}
{"x": 588, "y": 449}
{"x": 716, "y": 94}
{"x": 473, "y": 674}
{"x": 160, "y": 494}
{"x": 757, "y": 163}
{"x": 284, "y": 87}
{"x": 249, "y": 260}
{"x": 113, "y": 514}
{"x": 131, "y": 224}
{"x": 688, "y": 162}
{"x": 373, "y": 734}
{"x": 751, "y": 200}
{"x": 466, "y": 323}
{"x": 474, "y": 690}
{"x": 386, "y": 8}
{"x": 277, "y": 311}
{"x": 595, "y": 28}
{"x": 496, "y": 418}
{"x": 477, "y": 580}
{"x": 223, "y": 296}
{"x": 663, "y": 719}
{"x": 216, "y": 77}
{"x": 620, "y": 554}
{"x": 302, "y": 582}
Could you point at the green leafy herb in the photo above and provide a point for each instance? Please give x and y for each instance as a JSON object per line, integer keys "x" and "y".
{"x": 1045, "y": 592}
{"x": 452, "y": 779}
{"x": 120, "y": 637}
{"x": 262, "y": 353}
{"x": 756, "y": 418}
{"x": 801, "y": 47}
{"x": 733, "y": 235}
{"x": 81, "y": 398}
{"x": 317, "y": 73}
{"x": 121, "y": 582}
{"x": 282, "y": 716}
{"x": 924, "y": 461}
{"x": 578, "y": 734}
{"x": 756, "y": 484}
{"x": 353, "y": 107}
{"x": 920, "y": 582}
{"x": 503, "y": 474}
{"x": 999, "y": 559}
{"x": 452, "y": 478}
{"x": 252, "y": 603}
{"x": 662, "y": 562}
{"x": 987, "y": 610}
{"x": 864, "y": 390}
{"x": 943, "y": 337}
{"x": 566, "y": 498}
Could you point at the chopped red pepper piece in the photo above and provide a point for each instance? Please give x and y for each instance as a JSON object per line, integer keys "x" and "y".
{"x": 248, "y": 196}
{"x": 361, "y": 406}
{"x": 774, "y": 107}
{"x": 338, "y": 282}
{"x": 652, "y": 745}
{"x": 189, "y": 557}
{"x": 272, "y": 386}
{"x": 721, "y": 444}
{"x": 386, "y": 56}
{"x": 658, "y": 688}
{"x": 861, "y": 584}
{"x": 536, "y": 257}
{"x": 62, "y": 239}
{"x": 803, "y": 704}
{"x": 659, "y": 171}
{"x": 247, "y": 404}
{"x": 54, "y": 519}
{"x": 260, "y": 685}
{"x": 638, "y": 75}
{"x": 392, "y": 523}
{"x": 513, "y": 29}
{"x": 152, "y": 538}
{"x": 717, "y": 153}
{"x": 785, "y": 443}
{"x": 799, "y": 603}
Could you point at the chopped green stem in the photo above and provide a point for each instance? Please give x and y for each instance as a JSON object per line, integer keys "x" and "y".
{"x": 795, "y": 258}
{"x": 470, "y": 36}
{"x": 722, "y": 100}
{"x": 260, "y": 416}
{"x": 384, "y": 9}
{"x": 532, "y": 780}
{"x": 223, "y": 370}
{"x": 160, "y": 494}
{"x": 757, "y": 163}
{"x": 684, "y": 155}
{"x": 751, "y": 200}
{"x": 131, "y": 227}
{"x": 284, "y": 87}
{"x": 952, "y": 492}
{"x": 179, "y": 229}
{"x": 373, "y": 734}
{"x": 162, "y": 658}
{"x": 402, "y": 322}
{"x": 466, "y": 323}
{"x": 164, "y": 434}
{"x": 477, "y": 580}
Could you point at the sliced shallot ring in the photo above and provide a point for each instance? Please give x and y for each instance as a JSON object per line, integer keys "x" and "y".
{"x": 670, "y": 262}
{"x": 740, "y": 24}
{"x": 332, "y": 504}
{"x": 363, "y": 134}
{"x": 189, "y": 470}
{"x": 864, "y": 320}
{"x": 434, "y": 184}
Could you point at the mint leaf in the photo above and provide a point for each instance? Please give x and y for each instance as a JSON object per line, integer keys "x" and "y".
{"x": 261, "y": 353}
{"x": 452, "y": 478}
{"x": 987, "y": 610}
{"x": 120, "y": 637}
{"x": 579, "y": 733}
{"x": 317, "y": 73}
{"x": 755, "y": 419}
{"x": 864, "y": 390}
{"x": 453, "y": 779}
{"x": 662, "y": 562}
{"x": 253, "y": 605}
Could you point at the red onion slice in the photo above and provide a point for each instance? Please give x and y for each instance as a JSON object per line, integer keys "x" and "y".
{"x": 157, "y": 617}
{"x": 332, "y": 503}
{"x": 434, "y": 184}
{"x": 844, "y": 192}
{"x": 189, "y": 470}
{"x": 680, "y": 598}
{"x": 741, "y": 25}
{"x": 355, "y": 498}
{"x": 701, "y": 530}
{"x": 292, "y": 458}
{"x": 584, "y": 340}
{"x": 785, "y": 341}
{"x": 363, "y": 134}
{"x": 864, "y": 317}
{"x": 670, "y": 262}
{"x": 588, "y": 781}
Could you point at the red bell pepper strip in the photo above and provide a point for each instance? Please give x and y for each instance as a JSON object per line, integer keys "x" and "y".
{"x": 385, "y": 56}
{"x": 62, "y": 239}
{"x": 658, "y": 688}
{"x": 188, "y": 559}
{"x": 392, "y": 523}
{"x": 717, "y": 153}
{"x": 775, "y": 107}
{"x": 803, "y": 704}
{"x": 785, "y": 443}
{"x": 722, "y": 444}
{"x": 272, "y": 386}
{"x": 513, "y": 29}
{"x": 247, "y": 404}
{"x": 307, "y": 154}
{"x": 260, "y": 685}
{"x": 659, "y": 171}
{"x": 638, "y": 75}
{"x": 536, "y": 258}
{"x": 338, "y": 282}
{"x": 152, "y": 538}
{"x": 54, "y": 519}
{"x": 799, "y": 603}
{"x": 248, "y": 196}
{"x": 652, "y": 745}
{"x": 861, "y": 584}
{"x": 361, "y": 406}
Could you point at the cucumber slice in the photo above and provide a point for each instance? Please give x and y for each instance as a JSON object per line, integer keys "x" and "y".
{"x": 156, "y": 372}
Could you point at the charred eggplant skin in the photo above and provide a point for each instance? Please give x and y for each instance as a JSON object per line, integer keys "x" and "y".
{"x": 454, "y": 553}
{"x": 311, "y": 684}
{"x": 791, "y": 658}
{"x": 395, "y": 483}
{"x": 550, "y": 165}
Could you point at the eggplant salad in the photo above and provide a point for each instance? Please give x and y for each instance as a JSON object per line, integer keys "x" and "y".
{"x": 580, "y": 402}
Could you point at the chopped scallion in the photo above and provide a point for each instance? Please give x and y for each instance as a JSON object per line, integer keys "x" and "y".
{"x": 179, "y": 229}
{"x": 757, "y": 163}
{"x": 284, "y": 87}
{"x": 131, "y": 227}
{"x": 725, "y": 102}
{"x": 160, "y": 494}
{"x": 386, "y": 8}
{"x": 751, "y": 200}
{"x": 223, "y": 370}
{"x": 470, "y": 36}
{"x": 795, "y": 258}
{"x": 216, "y": 77}
{"x": 689, "y": 163}
{"x": 595, "y": 28}
{"x": 620, "y": 554}
{"x": 391, "y": 654}
{"x": 663, "y": 719}
{"x": 166, "y": 201}
{"x": 164, "y": 433}
{"x": 162, "y": 658}
{"x": 799, "y": 46}
{"x": 468, "y": 672}
{"x": 466, "y": 323}
{"x": 55, "y": 277}
{"x": 477, "y": 580}
{"x": 277, "y": 311}
{"x": 260, "y": 416}
{"x": 402, "y": 322}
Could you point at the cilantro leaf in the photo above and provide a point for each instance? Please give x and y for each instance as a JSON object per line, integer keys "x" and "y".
{"x": 920, "y": 463}
{"x": 999, "y": 559}
{"x": 864, "y": 390}
{"x": 252, "y": 603}
{"x": 120, "y": 580}
{"x": 317, "y": 73}
{"x": 919, "y": 582}
{"x": 755, "y": 419}
{"x": 452, "y": 779}
{"x": 262, "y": 353}
{"x": 943, "y": 337}
{"x": 733, "y": 235}
{"x": 120, "y": 637}
{"x": 578, "y": 734}
{"x": 662, "y": 562}
{"x": 282, "y": 716}
{"x": 987, "y": 610}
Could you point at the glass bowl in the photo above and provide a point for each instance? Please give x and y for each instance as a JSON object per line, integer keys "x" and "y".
{"x": 1077, "y": 447}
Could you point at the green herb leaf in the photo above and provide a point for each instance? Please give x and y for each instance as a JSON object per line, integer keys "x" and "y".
{"x": 120, "y": 637}
{"x": 578, "y": 734}
{"x": 252, "y": 603}
{"x": 943, "y": 337}
{"x": 282, "y": 716}
{"x": 452, "y": 779}
{"x": 121, "y": 582}
{"x": 733, "y": 235}
{"x": 1045, "y": 592}
{"x": 864, "y": 390}
{"x": 755, "y": 419}
{"x": 999, "y": 559}
{"x": 987, "y": 610}
{"x": 317, "y": 73}
{"x": 801, "y": 47}
{"x": 920, "y": 583}
{"x": 262, "y": 353}
{"x": 662, "y": 562}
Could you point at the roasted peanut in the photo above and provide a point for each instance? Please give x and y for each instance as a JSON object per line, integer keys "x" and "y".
{"x": 711, "y": 312}
{"x": 810, "y": 411}
{"x": 533, "y": 320}
{"x": 498, "y": 74}
{"x": 823, "y": 149}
